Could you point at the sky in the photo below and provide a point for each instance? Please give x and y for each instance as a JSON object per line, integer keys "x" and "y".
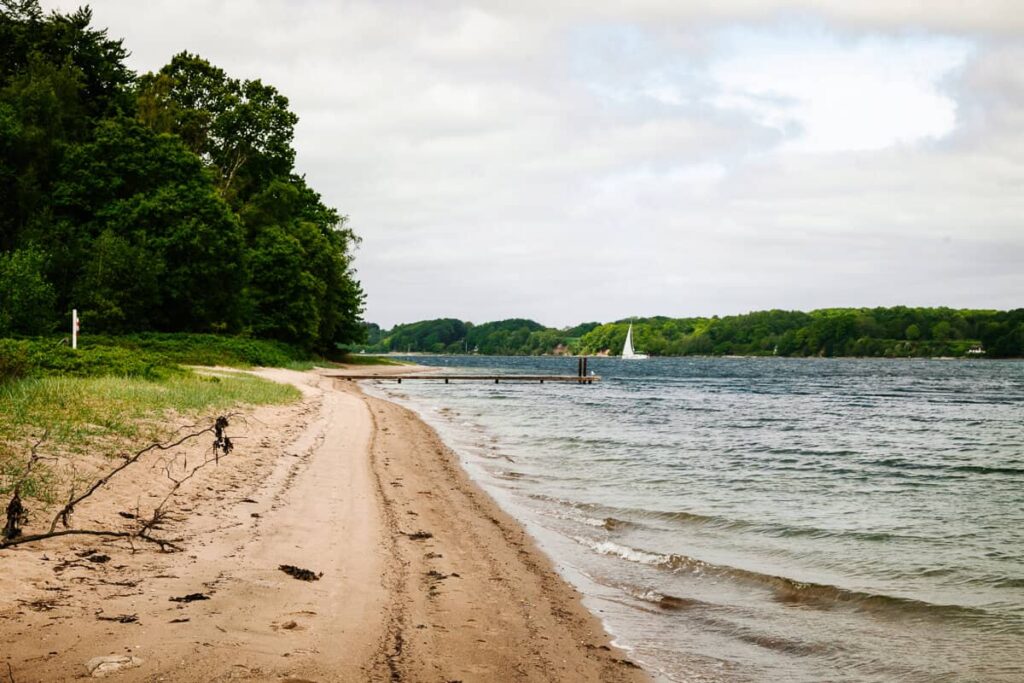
{"x": 581, "y": 160}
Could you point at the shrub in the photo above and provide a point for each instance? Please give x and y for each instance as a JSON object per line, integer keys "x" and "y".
{"x": 14, "y": 360}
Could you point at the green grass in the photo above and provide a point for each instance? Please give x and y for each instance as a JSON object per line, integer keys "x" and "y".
{"x": 106, "y": 415}
{"x": 359, "y": 359}
{"x": 115, "y": 394}
{"x": 149, "y": 356}
{"x": 205, "y": 349}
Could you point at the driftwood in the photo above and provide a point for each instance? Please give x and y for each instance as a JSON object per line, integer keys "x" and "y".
{"x": 17, "y": 515}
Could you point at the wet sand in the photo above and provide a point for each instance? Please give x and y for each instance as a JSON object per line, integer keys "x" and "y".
{"x": 423, "y": 578}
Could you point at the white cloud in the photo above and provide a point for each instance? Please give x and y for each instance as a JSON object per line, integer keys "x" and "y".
{"x": 870, "y": 93}
{"x": 579, "y": 160}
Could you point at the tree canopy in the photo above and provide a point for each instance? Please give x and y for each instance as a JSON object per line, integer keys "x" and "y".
{"x": 162, "y": 202}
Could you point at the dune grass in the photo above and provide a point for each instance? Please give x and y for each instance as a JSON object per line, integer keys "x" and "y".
{"x": 101, "y": 415}
{"x": 360, "y": 359}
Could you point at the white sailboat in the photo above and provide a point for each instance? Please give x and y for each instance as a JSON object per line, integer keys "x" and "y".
{"x": 627, "y": 348}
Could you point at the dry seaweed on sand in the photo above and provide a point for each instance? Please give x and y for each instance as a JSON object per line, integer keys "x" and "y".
{"x": 300, "y": 573}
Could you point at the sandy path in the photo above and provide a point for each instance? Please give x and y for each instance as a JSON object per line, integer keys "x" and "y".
{"x": 341, "y": 485}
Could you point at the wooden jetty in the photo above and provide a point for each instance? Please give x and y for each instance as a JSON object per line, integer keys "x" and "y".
{"x": 581, "y": 376}
{"x": 497, "y": 379}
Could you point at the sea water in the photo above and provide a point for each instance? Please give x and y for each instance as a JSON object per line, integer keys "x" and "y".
{"x": 766, "y": 519}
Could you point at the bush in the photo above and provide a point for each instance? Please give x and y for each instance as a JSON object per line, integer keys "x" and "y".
{"x": 205, "y": 349}
{"x": 27, "y": 300}
{"x": 14, "y": 360}
{"x": 49, "y": 358}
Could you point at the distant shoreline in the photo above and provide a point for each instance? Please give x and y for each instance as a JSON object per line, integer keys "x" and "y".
{"x": 894, "y": 332}
{"x": 426, "y": 354}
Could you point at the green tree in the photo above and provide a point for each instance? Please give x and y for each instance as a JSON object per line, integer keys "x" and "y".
{"x": 26, "y": 298}
{"x": 119, "y": 288}
{"x": 942, "y": 330}
{"x": 151, "y": 192}
{"x": 242, "y": 128}
{"x": 302, "y": 289}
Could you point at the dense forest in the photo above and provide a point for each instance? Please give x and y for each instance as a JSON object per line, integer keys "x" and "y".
{"x": 165, "y": 202}
{"x": 875, "y": 332}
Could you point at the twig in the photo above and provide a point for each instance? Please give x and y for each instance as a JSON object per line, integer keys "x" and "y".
{"x": 16, "y": 512}
{"x": 64, "y": 514}
{"x": 164, "y": 543}
{"x": 222, "y": 446}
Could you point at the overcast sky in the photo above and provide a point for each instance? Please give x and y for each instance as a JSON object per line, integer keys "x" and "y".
{"x": 571, "y": 161}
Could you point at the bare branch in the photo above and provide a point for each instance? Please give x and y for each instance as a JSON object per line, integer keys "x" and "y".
{"x": 64, "y": 514}
{"x": 222, "y": 446}
{"x": 164, "y": 543}
{"x": 16, "y": 512}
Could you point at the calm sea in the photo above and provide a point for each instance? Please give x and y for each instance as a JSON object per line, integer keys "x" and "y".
{"x": 767, "y": 519}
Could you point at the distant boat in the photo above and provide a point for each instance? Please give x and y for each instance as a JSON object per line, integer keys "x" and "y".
{"x": 627, "y": 348}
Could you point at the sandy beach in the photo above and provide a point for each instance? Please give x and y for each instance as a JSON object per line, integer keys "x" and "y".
{"x": 421, "y": 576}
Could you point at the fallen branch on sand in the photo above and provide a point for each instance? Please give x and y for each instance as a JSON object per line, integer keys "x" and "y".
{"x": 17, "y": 515}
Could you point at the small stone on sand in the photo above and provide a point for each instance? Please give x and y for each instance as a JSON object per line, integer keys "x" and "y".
{"x": 99, "y": 667}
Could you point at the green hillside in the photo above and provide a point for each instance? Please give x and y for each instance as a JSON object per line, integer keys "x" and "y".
{"x": 874, "y": 332}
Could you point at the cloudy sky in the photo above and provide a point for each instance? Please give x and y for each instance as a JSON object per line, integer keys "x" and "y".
{"x": 570, "y": 161}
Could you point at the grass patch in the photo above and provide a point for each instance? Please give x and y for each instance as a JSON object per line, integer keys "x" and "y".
{"x": 205, "y": 349}
{"x": 119, "y": 393}
{"x": 360, "y": 359}
{"x": 150, "y": 356}
{"x": 100, "y": 415}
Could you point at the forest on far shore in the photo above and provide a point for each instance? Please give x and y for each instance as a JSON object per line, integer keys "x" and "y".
{"x": 894, "y": 332}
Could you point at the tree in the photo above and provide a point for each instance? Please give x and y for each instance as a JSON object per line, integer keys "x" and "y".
{"x": 942, "y": 330}
{"x": 241, "y": 129}
{"x": 302, "y": 289}
{"x": 119, "y": 288}
{"x": 154, "y": 203}
{"x": 153, "y": 195}
{"x": 26, "y": 298}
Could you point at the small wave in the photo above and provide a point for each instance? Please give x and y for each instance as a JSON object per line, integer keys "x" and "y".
{"x": 901, "y": 464}
{"x": 785, "y": 590}
{"x": 981, "y": 469}
{"x": 509, "y": 474}
{"x": 677, "y": 516}
{"x": 665, "y": 601}
{"x": 612, "y": 523}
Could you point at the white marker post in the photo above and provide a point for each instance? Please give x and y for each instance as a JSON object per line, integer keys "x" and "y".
{"x": 74, "y": 328}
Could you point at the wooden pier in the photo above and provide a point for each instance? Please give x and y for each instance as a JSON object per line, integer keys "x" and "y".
{"x": 581, "y": 376}
{"x": 497, "y": 379}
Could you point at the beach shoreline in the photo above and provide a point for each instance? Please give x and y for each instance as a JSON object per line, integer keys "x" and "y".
{"x": 424, "y": 577}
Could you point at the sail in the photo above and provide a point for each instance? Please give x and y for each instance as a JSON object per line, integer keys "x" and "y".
{"x": 627, "y": 348}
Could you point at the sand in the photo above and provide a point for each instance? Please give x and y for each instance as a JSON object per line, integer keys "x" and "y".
{"x": 421, "y": 576}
